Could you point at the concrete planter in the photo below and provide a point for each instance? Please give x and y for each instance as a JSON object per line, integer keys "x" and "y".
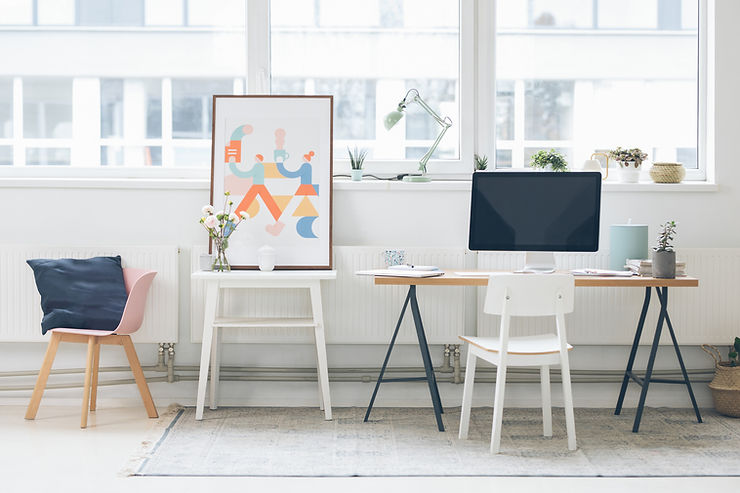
{"x": 664, "y": 265}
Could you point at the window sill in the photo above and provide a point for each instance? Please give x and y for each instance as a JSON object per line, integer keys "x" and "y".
{"x": 340, "y": 184}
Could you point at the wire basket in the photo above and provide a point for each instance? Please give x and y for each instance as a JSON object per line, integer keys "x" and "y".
{"x": 725, "y": 385}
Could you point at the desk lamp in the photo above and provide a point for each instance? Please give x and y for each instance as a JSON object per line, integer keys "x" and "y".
{"x": 395, "y": 116}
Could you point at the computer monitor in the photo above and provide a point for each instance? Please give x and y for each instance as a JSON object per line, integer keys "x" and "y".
{"x": 535, "y": 212}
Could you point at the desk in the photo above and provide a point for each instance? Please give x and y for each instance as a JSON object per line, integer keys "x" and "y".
{"x": 451, "y": 279}
{"x": 217, "y": 281}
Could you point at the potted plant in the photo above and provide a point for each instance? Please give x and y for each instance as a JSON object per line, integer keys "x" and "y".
{"x": 480, "y": 162}
{"x": 725, "y": 385}
{"x": 356, "y": 158}
{"x": 664, "y": 257}
{"x": 630, "y": 163}
{"x": 551, "y": 160}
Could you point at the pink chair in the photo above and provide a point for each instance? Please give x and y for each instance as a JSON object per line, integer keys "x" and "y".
{"x": 137, "y": 283}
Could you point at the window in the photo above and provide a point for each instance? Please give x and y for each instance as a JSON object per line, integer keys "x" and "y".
{"x": 586, "y": 75}
{"x": 117, "y": 90}
{"x": 368, "y": 54}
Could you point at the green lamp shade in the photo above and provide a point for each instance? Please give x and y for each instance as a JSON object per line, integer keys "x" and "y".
{"x": 392, "y": 118}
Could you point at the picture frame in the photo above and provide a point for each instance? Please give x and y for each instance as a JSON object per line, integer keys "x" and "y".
{"x": 274, "y": 154}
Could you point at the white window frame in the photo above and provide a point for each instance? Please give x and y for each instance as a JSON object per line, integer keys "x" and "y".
{"x": 477, "y": 103}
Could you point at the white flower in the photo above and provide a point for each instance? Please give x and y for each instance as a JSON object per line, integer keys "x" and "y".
{"x": 244, "y": 215}
{"x": 207, "y": 210}
{"x": 233, "y": 218}
{"x": 210, "y": 222}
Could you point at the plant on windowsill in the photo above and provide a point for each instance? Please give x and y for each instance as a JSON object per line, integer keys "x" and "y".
{"x": 480, "y": 162}
{"x": 664, "y": 256}
{"x": 629, "y": 162}
{"x": 220, "y": 225}
{"x": 356, "y": 159}
{"x": 549, "y": 160}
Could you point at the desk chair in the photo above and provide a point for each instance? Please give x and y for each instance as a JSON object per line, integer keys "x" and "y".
{"x": 512, "y": 295}
{"x": 137, "y": 283}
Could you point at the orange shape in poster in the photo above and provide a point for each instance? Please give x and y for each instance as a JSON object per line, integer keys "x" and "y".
{"x": 271, "y": 171}
{"x": 306, "y": 189}
{"x": 305, "y": 209}
{"x": 282, "y": 201}
{"x": 253, "y": 208}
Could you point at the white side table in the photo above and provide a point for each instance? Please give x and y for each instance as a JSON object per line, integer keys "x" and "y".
{"x": 217, "y": 281}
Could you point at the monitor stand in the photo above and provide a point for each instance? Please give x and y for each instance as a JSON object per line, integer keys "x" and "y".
{"x": 539, "y": 263}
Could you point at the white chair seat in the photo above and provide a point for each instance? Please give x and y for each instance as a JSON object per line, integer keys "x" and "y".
{"x": 541, "y": 344}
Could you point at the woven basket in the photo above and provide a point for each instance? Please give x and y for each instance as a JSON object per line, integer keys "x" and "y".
{"x": 667, "y": 172}
{"x": 725, "y": 385}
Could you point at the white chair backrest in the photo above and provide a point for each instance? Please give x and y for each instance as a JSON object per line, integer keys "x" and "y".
{"x": 529, "y": 294}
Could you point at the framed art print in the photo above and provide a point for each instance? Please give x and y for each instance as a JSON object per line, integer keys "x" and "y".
{"x": 274, "y": 155}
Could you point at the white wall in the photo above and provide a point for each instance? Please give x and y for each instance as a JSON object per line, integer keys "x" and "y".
{"x": 110, "y": 216}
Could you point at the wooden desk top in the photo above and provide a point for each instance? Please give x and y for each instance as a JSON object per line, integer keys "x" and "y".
{"x": 451, "y": 279}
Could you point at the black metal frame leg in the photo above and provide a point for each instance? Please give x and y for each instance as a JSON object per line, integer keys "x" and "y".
{"x": 645, "y": 381}
{"x": 387, "y": 356}
{"x": 425, "y": 356}
{"x": 633, "y": 352}
{"x": 680, "y": 359}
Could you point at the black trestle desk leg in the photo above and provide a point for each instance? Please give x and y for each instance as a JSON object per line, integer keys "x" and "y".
{"x": 387, "y": 355}
{"x": 650, "y": 364}
{"x": 428, "y": 367}
{"x": 633, "y": 352}
{"x": 680, "y": 358}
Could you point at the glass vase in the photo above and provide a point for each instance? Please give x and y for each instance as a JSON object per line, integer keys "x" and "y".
{"x": 220, "y": 262}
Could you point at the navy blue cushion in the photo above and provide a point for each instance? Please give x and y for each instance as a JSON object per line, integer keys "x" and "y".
{"x": 80, "y": 293}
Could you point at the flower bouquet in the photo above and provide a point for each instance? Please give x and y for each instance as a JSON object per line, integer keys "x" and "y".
{"x": 220, "y": 225}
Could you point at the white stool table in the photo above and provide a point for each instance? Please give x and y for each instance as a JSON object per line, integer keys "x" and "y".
{"x": 217, "y": 281}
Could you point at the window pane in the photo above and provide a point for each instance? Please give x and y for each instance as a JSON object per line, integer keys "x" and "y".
{"x": 6, "y": 156}
{"x": 16, "y": 12}
{"x": 191, "y": 106}
{"x": 216, "y": 13}
{"x": 163, "y": 13}
{"x": 598, "y": 88}
{"x": 47, "y": 108}
{"x": 548, "y": 110}
{"x": 193, "y": 157}
{"x": 369, "y": 53}
{"x": 110, "y": 12}
{"x": 133, "y": 104}
{"x": 111, "y": 108}
{"x": 112, "y": 155}
{"x": 6, "y": 108}
{"x": 503, "y": 158}
{"x": 56, "y": 12}
{"x": 40, "y": 156}
{"x": 561, "y": 14}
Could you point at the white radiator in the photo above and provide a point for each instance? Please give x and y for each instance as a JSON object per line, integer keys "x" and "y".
{"x": 20, "y": 310}
{"x": 608, "y": 316}
{"x": 355, "y": 310}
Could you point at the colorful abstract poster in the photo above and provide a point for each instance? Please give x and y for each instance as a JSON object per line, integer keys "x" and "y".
{"x": 274, "y": 155}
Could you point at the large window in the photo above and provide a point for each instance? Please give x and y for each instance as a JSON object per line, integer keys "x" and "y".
{"x": 368, "y": 54}
{"x": 587, "y": 75}
{"x": 129, "y": 83}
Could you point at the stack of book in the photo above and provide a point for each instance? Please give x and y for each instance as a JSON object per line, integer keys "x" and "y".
{"x": 645, "y": 267}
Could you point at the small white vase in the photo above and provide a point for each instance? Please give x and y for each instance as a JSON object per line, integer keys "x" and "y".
{"x": 356, "y": 174}
{"x": 266, "y": 256}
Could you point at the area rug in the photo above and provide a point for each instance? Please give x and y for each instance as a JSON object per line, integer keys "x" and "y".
{"x": 405, "y": 442}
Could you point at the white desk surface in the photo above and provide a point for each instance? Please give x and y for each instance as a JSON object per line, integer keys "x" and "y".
{"x": 258, "y": 275}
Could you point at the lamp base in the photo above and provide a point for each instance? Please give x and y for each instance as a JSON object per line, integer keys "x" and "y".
{"x": 417, "y": 178}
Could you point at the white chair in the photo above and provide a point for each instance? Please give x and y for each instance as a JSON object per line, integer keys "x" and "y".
{"x": 511, "y": 295}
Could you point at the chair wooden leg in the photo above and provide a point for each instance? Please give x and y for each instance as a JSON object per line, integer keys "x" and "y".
{"x": 467, "y": 394}
{"x": 91, "y": 343}
{"x": 546, "y": 401}
{"x": 498, "y": 406}
{"x": 94, "y": 384}
{"x": 320, "y": 338}
{"x": 38, "y": 390}
{"x": 133, "y": 361}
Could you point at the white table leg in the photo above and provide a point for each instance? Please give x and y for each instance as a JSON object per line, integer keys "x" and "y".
{"x": 215, "y": 367}
{"x": 323, "y": 367}
{"x": 212, "y": 290}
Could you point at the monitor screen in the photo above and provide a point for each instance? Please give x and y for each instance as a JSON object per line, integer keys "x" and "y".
{"x": 535, "y": 211}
